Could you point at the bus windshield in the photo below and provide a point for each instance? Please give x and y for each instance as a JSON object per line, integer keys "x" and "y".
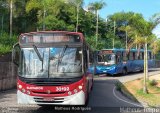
{"x": 52, "y": 62}
{"x": 106, "y": 59}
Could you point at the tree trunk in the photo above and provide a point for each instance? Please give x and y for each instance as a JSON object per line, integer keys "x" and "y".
{"x": 97, "y": 29}
{"x": 11, "y": 13}
{"x": 77, "y": 18}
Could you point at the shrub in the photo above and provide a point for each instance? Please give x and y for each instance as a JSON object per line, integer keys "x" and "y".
{"x": 6, "y": 40}
{"x": 118, "y": 86}
{"x": 6, "y": 43}
{"x": 5, "y": 49}
{"x": 153, "y": 82}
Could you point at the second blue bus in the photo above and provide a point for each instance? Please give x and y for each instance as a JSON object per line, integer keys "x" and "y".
{"x": 121, "y": 61}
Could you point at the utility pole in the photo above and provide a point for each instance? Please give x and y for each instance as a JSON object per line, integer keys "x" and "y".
{"x": 145, "y": 90}
{"x": 126, "y": 40}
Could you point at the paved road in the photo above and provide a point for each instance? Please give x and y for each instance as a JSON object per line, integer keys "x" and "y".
{"x": 129, "y": 77}
{"x": 103, "y": 98}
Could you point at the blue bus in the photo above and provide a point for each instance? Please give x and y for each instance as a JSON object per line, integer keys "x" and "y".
{"x": 121, "y": 61}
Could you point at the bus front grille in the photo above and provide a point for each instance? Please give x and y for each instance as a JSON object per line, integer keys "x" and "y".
{"x": 37, "y": 92}
{"x": 48, "y": 100}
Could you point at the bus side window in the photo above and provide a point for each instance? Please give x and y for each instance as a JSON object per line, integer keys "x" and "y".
{"x": 130, "y": 55}
{"x": 91, "y": 59}
{"x": 127, "y": 55}
{"x": 85, "y": 59}
{"x": 134, "y": 56}
{"x": 138, "y": 55}
{"x": 117, "y": 59}
{"x": 125, "y": 58}
{"x": 149, "y": 55}
{"x": 142, "y": 55}
{"x": 152, "y": 56}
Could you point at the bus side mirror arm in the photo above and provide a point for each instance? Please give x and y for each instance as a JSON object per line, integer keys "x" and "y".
{"x": 15, "y": 54}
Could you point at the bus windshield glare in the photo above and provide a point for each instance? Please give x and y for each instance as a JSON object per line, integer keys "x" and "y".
{"x": 106, "y": 59}
{"x": 55, "y": 62}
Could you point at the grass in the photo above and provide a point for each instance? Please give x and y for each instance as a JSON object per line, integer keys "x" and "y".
{"x": 135, "y": 88}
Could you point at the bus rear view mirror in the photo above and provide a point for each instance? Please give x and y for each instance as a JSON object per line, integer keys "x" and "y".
{"x": 16, "y": 54}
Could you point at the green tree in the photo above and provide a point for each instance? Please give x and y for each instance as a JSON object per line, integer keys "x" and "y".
{"x": 4, "y": 10}
{"x": 49, "y": 12}
{"x": 77, "y": 4}
{"x": 96, "y": 6}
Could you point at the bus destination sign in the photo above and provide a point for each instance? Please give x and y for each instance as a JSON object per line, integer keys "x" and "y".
{"x": 48, "y": 38}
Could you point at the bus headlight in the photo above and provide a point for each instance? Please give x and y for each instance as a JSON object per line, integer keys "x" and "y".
{"x": 19, "y": 86}
{"x": 80, "y": 87}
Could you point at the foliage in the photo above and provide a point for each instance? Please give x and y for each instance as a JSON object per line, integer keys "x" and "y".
{"x": 96, "y": 6}
{"x": 155, "y": 44}
{"x": 118, "y": 86}
{"x": 134, "y": 29}
{"x": 153, "y": 82}
{"x": 32, "y": 15}
{"x": 4, "y": 49}
{"x": 6, "y": 43}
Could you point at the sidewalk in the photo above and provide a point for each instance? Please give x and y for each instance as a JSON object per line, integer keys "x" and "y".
{"x": 155, "y": 77}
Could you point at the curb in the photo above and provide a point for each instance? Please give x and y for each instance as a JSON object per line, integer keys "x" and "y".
{"x": 124, "y": 93}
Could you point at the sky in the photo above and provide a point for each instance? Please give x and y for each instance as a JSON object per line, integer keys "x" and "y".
{"x": 146, "y": 7}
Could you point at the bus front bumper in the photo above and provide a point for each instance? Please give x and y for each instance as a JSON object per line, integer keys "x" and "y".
{"x": 75, "y": 99}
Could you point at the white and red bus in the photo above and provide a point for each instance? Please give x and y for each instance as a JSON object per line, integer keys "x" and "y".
{"x": 53, "y": 68}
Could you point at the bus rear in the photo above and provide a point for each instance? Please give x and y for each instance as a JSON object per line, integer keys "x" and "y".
{"x": 52, "y": 69}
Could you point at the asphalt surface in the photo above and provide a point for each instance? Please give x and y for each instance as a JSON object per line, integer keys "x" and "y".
{"x": 103, "y": 98}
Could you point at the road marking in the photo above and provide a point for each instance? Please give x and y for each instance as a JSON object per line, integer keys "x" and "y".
{"x": 123, "y": 99}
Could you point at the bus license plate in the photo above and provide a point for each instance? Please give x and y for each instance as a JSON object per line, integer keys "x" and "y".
{"x": 48, "y": 99}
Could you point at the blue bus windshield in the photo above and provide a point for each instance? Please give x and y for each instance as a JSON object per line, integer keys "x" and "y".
{"x": 106, "y": 59}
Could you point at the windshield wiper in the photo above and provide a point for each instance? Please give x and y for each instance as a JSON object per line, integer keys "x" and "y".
{"x": 39, "y": 55}
{"x": 64, "y": 49}
{"x": 60, "y": 60}
{"x": 37, "y": 52}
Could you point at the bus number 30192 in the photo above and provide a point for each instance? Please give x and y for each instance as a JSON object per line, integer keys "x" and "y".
{"x": 62, "y": 88}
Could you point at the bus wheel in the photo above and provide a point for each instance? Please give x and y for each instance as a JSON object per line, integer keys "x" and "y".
{"x": 87, "y": 100}
{"x": 124, "y": 71}
{"x": 92, "y": 85}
